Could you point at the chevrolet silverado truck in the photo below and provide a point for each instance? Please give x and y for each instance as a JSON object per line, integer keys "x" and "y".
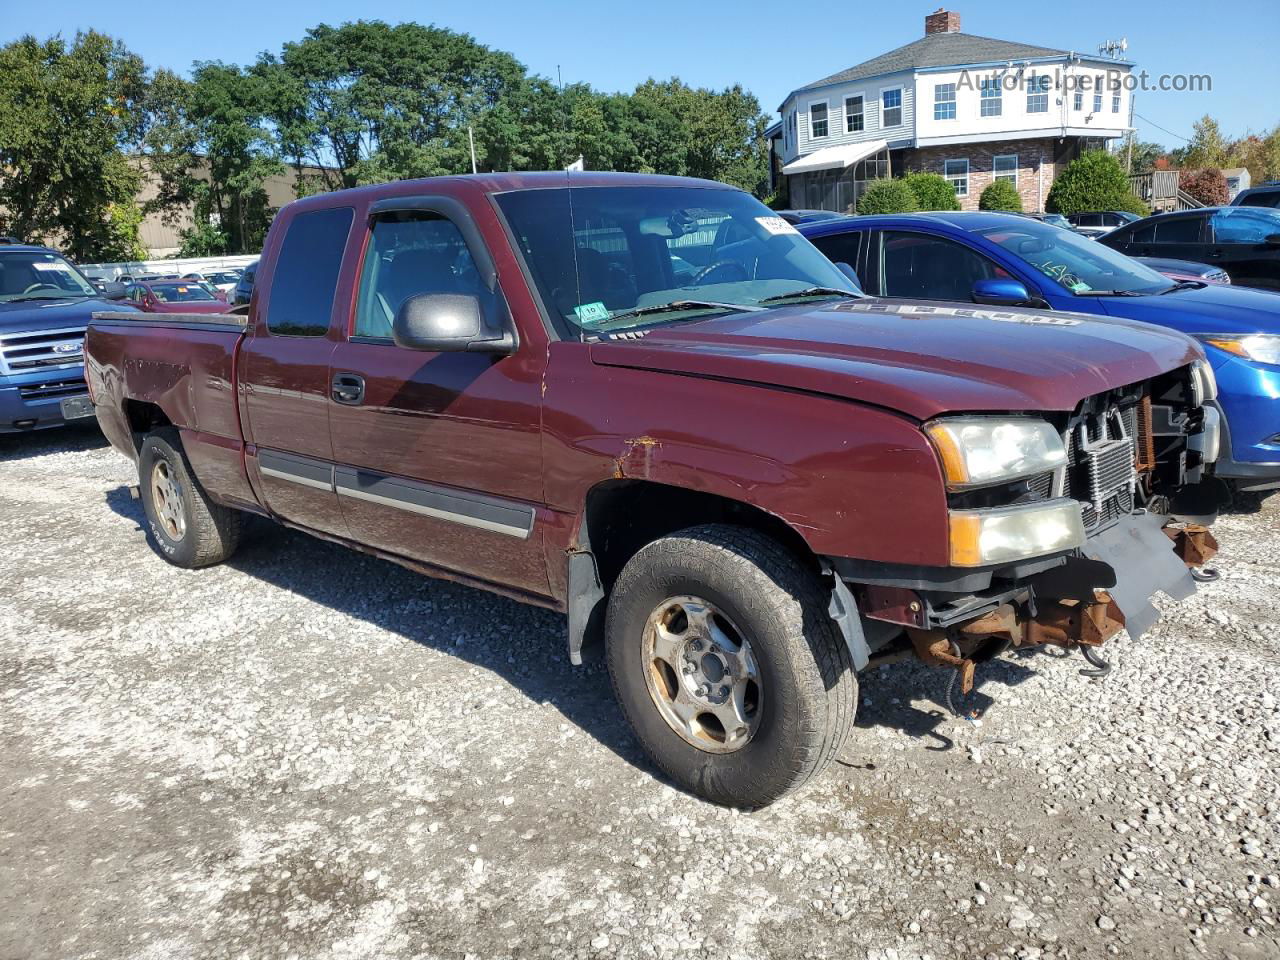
{"x": 649, "y": 403}
{"x": 45, "y": 306}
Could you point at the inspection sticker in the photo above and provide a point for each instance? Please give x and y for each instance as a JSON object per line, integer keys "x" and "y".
{"x": 776, "y": 225}
{"x": 590, "y": 313}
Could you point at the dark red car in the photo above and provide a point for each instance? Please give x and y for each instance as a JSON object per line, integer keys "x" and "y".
{"x": 650, "y": 404}
{"x": 175, "y": 296}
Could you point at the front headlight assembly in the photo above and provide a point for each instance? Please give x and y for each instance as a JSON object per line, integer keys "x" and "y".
{"x": 979, "y": 451}
{"x": 1262, "y": 347}
{"x": 1000, "y": 534}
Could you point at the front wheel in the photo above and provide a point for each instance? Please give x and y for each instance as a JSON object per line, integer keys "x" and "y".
{"x": 727, "y": 665}
{"x": 184, "y": 525}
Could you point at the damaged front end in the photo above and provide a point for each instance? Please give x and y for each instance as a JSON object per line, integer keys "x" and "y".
{"x": 1124, "y": 457}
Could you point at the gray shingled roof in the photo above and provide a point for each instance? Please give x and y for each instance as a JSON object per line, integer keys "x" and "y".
{"x": 938, "y": 50}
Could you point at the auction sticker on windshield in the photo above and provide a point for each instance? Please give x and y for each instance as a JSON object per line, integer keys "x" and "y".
{"x": 776, "y": 225}
{"x": 589, "y": 313}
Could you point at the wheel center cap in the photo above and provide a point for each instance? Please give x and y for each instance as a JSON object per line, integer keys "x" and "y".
{"x": 713, "y": 668}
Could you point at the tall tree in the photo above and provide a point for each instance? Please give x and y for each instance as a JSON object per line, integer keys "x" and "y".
{"x": 1207, "y": 147}
{"x": 68, "y": 113}
{"x": 377, "y": 102}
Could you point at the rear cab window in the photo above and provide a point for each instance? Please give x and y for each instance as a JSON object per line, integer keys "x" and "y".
{"x": 306, "y": 273}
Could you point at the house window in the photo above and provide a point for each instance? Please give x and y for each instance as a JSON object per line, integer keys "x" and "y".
{"x": 1115, "y": 103}
{"x": 1005, "y": 167}
{"x": 1038, "y": 95}
{"x": 817, "y": 120}
{"x": 944, "y": 101}
{"x": 992, "y": 104}
{"x": 891, "y": 108}
{"x": 1097, "y": 94}
{"x": 853, "y": 114}
{"x": 957, "y": 172}
{"x": 1077, "y": 100}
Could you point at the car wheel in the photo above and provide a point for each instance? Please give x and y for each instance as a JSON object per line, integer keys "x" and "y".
{"x": 184, "y": 525}
{"x": 729, "y": 669}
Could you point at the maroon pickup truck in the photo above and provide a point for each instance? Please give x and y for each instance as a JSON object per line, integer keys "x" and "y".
{"x": 649, "y": 403}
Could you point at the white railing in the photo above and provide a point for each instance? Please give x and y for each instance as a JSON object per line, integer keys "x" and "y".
{"x": 109, "y": 271}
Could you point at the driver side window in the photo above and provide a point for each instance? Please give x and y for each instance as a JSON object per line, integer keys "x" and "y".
{"x": 925, "y": 267}
{"x": 409, "y": 254}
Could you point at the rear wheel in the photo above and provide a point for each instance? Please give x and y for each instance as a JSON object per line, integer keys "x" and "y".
{"x": 184, "y": 525}
{"x": 735, "y": 679}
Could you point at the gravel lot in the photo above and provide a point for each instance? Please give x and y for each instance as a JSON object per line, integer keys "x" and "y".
{"x": 310, "y": 753}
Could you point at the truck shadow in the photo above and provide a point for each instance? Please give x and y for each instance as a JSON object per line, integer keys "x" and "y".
{"x": 525, "y": 646}
{"x": 72, "y": 438}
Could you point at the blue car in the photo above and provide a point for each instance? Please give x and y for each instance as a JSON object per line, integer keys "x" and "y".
{"x": 1007, "y": 260}
{"x": 45, "y": 305}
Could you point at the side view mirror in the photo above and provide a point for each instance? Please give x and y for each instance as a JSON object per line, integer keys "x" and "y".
{"x": 454, "y": 322}
{"x": 1001, "y": 292}
{"x": 113, "y": 290}
{"x": 852, "y": 274}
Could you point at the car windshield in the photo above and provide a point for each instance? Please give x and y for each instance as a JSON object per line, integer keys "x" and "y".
{"x": 39, "y": 275}
{"x": 181, "y": 292}
{"x": 607, "y": 258}
{"x": 1080, "y": 265}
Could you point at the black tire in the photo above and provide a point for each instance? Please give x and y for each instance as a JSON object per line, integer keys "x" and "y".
{"x": 209, "y": 532}
{"x": 809, "y": 688}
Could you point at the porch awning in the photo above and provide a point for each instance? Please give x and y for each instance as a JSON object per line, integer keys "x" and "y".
{"x": 835, "y": 158}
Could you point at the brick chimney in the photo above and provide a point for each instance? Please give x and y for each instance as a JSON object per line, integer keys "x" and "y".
{"x": 942, "y": 21}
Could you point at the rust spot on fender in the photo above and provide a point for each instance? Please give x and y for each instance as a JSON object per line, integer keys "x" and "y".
{"x": 636, "y": 458}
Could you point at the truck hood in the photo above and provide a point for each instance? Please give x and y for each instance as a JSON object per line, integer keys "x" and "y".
{"x": 36, "y": 315}
{"x": 916, "y": 358}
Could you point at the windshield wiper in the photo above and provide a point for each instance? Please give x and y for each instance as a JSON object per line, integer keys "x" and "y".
{"x": 1185, "y": 285}
{"x": 41, "y": 296}
{"x": 675, "y": 306}
{"x": 1110, "y": 293}
{"x": 812, "y": 292}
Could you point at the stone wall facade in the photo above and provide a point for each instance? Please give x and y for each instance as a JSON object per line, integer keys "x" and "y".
{"x": 1039, "y": 161}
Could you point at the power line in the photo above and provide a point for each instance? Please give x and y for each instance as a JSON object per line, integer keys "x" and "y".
{"x": 1165, "y": 129}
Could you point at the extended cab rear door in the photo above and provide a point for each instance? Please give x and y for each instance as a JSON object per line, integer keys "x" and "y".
{"x": 284, "y": 368}
{"x": 438, "y": 455}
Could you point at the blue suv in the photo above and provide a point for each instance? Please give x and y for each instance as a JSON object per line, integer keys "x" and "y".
{"x": 1012, "y": 261}
{"x": 45, "y": 305}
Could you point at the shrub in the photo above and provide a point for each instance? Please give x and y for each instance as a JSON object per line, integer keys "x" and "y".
{"x": 888, "y": 196}
{"x": 932, "y": 191}
{"x": 1208, "y": 186}
{"x": 1093, "y": 181}
{"x": 1000, "y": 195}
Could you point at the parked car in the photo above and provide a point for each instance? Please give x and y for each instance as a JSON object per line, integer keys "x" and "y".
{"x": 1244, "y": 241}
{"x": 222, "y": 280}
{"x": 175, "y": 296}
{"x": 1185, "y": 269}
{"x": 1054, "y": 219}
{"x": 1265, "y": 194}
{"x": 1004, "y": 260}
{"x": 755, "y": 479}
{"x": 45, "y": 305}
{"x": 808, "y": 216}
{"x": 1099, "y": 222}
{"x": 244, "y": 286}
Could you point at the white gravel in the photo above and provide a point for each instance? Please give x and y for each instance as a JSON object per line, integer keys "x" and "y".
{"x": 308, "y": 753}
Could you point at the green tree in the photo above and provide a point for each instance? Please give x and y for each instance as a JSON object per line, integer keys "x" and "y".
{"x": 379, "y": 102}
{"x": 1207, "y": 148}
{"x": 888, "y": 196}
{"x": 68, "y": 113}
{"x": 932, "y": 191}
{"x": 1139, "y": 156}
{"x": 1095, "y": 180}
{"x": 203, "y": 239}
{"x": 1259, "y": 154}
{"x": 1000, "y": 195}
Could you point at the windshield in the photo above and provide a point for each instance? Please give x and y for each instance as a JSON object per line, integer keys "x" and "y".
{"x": 1078, "y": 264}
{"x": 181, "y": 292}
{"x": 606, "y": 258}
{"x": 37, "y": 275}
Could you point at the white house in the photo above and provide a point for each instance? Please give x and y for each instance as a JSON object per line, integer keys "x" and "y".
{"x": 970, "y": 108}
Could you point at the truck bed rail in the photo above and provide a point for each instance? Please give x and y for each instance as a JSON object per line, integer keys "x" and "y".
{"x": 232, "y": 322}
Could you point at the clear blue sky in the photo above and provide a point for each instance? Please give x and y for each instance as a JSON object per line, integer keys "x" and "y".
{"x": 613, "y": 45}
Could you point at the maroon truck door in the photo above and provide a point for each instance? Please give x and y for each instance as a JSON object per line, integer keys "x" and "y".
{"x": 284, "y": 370}
{"x": 438, "y": 454}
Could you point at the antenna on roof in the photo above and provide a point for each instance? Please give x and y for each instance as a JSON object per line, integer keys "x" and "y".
{"x": 1115, "y": 49}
